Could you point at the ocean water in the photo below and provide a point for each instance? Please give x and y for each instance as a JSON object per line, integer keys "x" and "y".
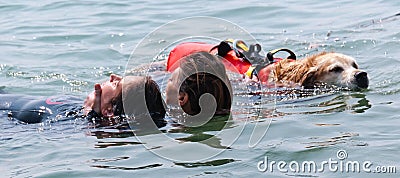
{"x": 64, "y": 47}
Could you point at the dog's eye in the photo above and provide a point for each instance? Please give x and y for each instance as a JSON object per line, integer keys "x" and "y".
{"x": 337, "y": 69}
{"x": 355, "y": 65}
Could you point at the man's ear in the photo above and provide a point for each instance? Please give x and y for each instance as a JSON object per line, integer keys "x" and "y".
{"x": 183, "y": 98}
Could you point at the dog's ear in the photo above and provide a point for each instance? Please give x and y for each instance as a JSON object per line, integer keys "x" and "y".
{"x": 309, "y": 79}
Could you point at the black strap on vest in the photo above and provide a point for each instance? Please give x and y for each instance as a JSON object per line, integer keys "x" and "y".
{"x": 270, "y": 55}
{"x": 250, "y": 54}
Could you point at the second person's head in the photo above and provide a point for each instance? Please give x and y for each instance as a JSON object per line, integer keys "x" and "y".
{"x": 198, "y": 74}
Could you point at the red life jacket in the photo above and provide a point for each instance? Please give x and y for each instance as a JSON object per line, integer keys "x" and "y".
{"x": 265, "y": 72}
{"x": 232, "y": 63}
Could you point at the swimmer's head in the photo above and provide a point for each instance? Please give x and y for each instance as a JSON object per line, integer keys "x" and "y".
{"x": 131, "y": 96}
{"x": 112, "y": 100}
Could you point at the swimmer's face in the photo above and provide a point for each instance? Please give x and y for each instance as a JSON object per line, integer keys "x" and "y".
{"x": 109, "y": 90}
{"x": 172, "y": 88}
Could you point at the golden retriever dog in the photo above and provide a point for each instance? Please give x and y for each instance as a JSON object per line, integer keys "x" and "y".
{"x": 324, "y": 68}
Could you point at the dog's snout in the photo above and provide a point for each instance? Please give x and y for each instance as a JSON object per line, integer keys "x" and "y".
{"x": 361, "y": 74}
{"x": 361, "y": 79}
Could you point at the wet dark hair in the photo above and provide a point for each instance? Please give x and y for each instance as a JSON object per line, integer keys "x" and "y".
{"x": 199, "y": 83}
{"x": 118, "y": 106}
{"x": 154, "y": 102}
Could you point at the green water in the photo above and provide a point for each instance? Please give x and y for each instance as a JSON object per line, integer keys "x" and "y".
{"x": 64, "y": 47}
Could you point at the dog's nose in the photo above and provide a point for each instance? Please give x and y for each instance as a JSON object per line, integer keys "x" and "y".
{"x": 361, "y": 79}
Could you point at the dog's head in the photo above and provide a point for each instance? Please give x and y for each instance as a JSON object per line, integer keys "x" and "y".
{"x": 336, "y": 69}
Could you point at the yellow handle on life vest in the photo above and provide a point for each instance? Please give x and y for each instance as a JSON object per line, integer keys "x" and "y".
{"x": 239, "y": 43}
{"x": 250, "y": 71}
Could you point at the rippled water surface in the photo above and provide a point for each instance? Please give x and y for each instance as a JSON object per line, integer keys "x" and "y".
{"x": 64, "y": 47}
